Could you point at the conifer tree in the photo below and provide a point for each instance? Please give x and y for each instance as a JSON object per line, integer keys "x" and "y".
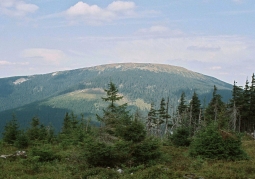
{"x": 162, "y": 116}
{"x": 236, "y": 105}
{"x": 182, "y": 106}
{"x": 151, "y": 119}
{"x": 36, "y": 131}
{"x": 66, "y": 124}
{"x": 246, "y": 123}
{"x": 215, "y": 106}
{"x": 195, "y": 110}
{"x": 167, "y": 117}
{"x": 11, "y": 131}
{"x": 252, "y": 103}
{"x": 114, "y": 114}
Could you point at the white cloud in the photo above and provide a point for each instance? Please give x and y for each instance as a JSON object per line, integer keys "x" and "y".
{"x": 159, "y": 30}
{"x": 16, "y": 7}
{"x": 5, "y": 63}
{"x": 215, "y": 68}
{"x": 121, "y": 6}
{"x": 95, "y": 13}
{"x": 52, "y": 56}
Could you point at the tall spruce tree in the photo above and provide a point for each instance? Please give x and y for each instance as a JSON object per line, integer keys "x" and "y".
{"x": 162, "y": 116}
{"x": 151, "y": 120}
{"x": 246, "y": 123}
{"x": 11, "y": 131}
{"x": 215, "y": 107}
{"x": 66, "y": 124}
{"x": 236, "y": 105}
{"x": 195, "y": 110}
{"x": 252, "y": 103}
{"x": 114, "y": 114}
{"x": 182, "y": 105}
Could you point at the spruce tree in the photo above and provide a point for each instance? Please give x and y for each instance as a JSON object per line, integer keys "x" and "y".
{"x": 215, "y": 107}
{"x": 114, "y": 114}
{"x": 37, "y": 131}
{"x": 252, "y": 103}
{"x": 151, "y": 120}
{"x": 162, "y": 116}
{"x": 195, "y": 110}
{"x": 236, "y": 105}
{"x": 66, "y": 124}
{"x": 11, "y": 131}
{"x": 182, "y": 106}
{"x": 246, "y": 123}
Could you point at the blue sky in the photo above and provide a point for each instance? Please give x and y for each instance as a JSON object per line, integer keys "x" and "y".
{"x": 212, "y": 37}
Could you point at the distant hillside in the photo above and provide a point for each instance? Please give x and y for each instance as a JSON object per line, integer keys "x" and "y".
{"x": 49, "y": 96}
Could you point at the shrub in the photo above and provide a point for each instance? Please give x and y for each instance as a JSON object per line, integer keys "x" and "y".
{"x": 210, "y": 143}
{"x": 145, "y": 152}
{"x": 181, "y": 137}
{"x": 133, "y": 132}
{"x": 100, "y": 154}
{"x": 22, "y": 140}
{"x": 45, "y": 154}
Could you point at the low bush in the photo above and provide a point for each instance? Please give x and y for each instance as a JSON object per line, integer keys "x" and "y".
{"x": 181, "y": 137}
{"x": 44, "y": 154}
{"x": 215, "y": 144}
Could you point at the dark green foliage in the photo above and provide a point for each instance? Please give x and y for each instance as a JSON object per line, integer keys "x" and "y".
{"x": 66, "y": 124}
{"x": 246, "y": 124}
{"x": 134, "y": 132}
{"x": 44, "y": 154}
{"x": 100, "y": 154}
{"x": 11, "y": 131}
{"x": 22, "y": 140}
{"x": 146, "y": 152}
{"x": 215, "y": 107}
{"x": 112, "y": 96}
{"x": 252, "y": 104}
{"x": 181, "y": 137}
{"x": 195, "y": 112}
{"x": 182, "y": 105}
{"x": 151, "y": 119}
{"x": 217, "y": 144}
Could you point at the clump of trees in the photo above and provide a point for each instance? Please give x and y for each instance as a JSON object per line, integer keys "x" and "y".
{"x": 192, "y": 124}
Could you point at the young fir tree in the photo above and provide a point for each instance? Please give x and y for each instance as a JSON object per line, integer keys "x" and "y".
{"x": 11, "y": 131}
{"x": 182, "y": 106}
{"x": 36, "y": 131}
{"x": 167, "y": 117}
{"x": 195, "y": 111}
{"x": 245, "y": 123}
{"x": 151, "y": 120}
{"x": 66, "y": 124}
{"x": 236, "y": 105}
{"x": 215, "y": 107}
{"x": 162, "y": 116}
{"x": 252, "y": 103}
{"x": 114, "y": 114}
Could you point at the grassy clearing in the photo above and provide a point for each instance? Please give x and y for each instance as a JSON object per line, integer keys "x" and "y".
{"x": 175, "y": 163}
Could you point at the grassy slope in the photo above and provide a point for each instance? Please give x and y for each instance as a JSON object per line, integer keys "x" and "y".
{"x": 174, "y": 164}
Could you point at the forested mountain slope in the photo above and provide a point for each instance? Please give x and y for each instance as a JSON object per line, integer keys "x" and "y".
{"x": 49, "y": 96}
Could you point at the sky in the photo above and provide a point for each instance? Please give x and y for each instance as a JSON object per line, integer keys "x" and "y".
{"x": 212, "y": 37}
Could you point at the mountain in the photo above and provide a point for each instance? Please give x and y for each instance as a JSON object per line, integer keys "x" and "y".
{"x": 49, "y": 96}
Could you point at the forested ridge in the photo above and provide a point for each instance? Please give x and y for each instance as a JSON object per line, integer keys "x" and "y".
{"x": 195, "y": 140}
{"x": 50, "y": 96}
